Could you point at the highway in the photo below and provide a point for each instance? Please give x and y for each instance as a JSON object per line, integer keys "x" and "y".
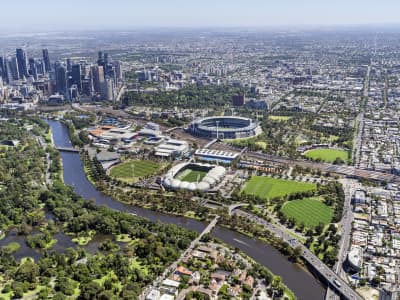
{"x": 331, "y": 277}
{"x": 349, "y": 188}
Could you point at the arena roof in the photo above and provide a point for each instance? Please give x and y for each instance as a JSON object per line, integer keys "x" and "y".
{"x": 214, "y": 175}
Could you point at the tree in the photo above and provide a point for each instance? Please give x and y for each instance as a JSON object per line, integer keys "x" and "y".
{"x": 296, "y": 253}
{"x": 28, "y": 271}
{"x": 376, "y": 281}
{"x": 90, "y": 290}
{"x": 319, "y": 228}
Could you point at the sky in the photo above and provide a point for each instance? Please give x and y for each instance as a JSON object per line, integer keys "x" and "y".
{"x": 131, "y": 14}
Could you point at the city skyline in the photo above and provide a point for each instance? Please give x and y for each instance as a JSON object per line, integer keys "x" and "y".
{"x": 177, "y": 13}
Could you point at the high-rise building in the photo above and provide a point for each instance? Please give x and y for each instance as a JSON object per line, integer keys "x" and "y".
{"x": 33, "y": 68}
{"x": 76, "y": 76}
{"x": 46, "y": 60}
{"x": 69, "y": 64}
{"x": 98, "y": 78}
{"x": 108, "y": 89}
{"x": 238, "y": 100}
{"x": 40, "y": 66}
{"x": 117, "y": 68}
{"x": 100, "y": 60}
{"x": 22, "y": 63}
{"x": 61, "y": 79}
{"x": 12, "y": 67}
{"x": 87, "y": 87}
{"x": 3, "y": 69}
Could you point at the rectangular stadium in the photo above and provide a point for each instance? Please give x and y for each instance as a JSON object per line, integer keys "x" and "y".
{"x": 193, "y": 176}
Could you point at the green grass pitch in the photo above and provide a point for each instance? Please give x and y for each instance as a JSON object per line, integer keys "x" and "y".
{"x": 135, "y": 169}
{"x": 310, "y": 212}
{"x": 327, "y": 155}
{"x": 191, "y": 175}
{"x": 267, "y": 187}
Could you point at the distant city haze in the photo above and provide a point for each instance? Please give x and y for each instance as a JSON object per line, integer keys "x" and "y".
{"x": 27, "y": 15}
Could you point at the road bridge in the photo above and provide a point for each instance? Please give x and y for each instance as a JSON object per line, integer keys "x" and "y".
{"x": 68, "y": 149}
{"x": 232, "y": 207}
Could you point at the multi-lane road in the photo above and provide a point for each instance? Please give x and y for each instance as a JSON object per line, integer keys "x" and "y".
{"x": 349, "y": 187}
{"x": 335, "y": 281}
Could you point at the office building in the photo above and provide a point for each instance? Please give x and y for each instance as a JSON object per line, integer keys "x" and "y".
{"x": 61, "y": 79}
{"x": 22, "y": 63}
{"x": 33, "y": 68}
{"x": 13, "y": 73}
{"x": 76, "y": 76}
{"x": 98, "y": 78}
{"x": 3, "y": 69}
{"x": 117, "y": 68}
{"x": 46, "y": 60}
{"x": 108, "y": 89}
{"x": 238, "y": 100}
{"x": 69, "y": 65}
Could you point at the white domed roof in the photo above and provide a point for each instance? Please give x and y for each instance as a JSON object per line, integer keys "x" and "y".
{"x": 203, "y": 186}
{"x": 175, "y": 183}
{"x": 192, "y": 186}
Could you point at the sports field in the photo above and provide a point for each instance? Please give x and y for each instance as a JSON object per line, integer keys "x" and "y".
{"x": 308, "y": 211}
{"x": 267, "y": 187}
{"x": 135, "y": 169}
{"x": 327, "y": 154}
{"x": 191, "y": 175}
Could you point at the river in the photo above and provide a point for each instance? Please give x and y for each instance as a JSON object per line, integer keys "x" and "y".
{"x": 302, "y": 283}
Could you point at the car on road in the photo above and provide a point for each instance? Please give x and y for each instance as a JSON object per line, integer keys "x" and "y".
{"x": 338, "y": 284}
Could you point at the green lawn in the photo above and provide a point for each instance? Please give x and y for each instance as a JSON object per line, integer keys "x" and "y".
{"x": 191, "y": 175}
{"x": 279, "y": 118}
{"x": 267, "y": 187}
{"x": 308, "y": 211}
{"x": 327, "y": 154}
{"x": 135, "y": 169}
{"x": 263, "y": 145}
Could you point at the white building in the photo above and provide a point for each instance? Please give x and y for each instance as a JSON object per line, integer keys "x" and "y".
{"x": 171, "y": 147}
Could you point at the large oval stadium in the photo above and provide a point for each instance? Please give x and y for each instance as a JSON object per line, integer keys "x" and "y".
{"x": 225, "y": 127}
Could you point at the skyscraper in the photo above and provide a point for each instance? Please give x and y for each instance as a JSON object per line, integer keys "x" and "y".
{"x": 61, "y": 79}
{"x": 117, "y": 68}
{"x": 76, "y": 75}
{"x": 98, "y": 78}
{"x": 3, "y": 69}
{"x": 40, "y": 66}
{"x": 46, "y": 60}
{"x": 69, "y": 64}
{"x": 33, "y": 68}
{"x": 22, "y": 63}
{"x": 13, "y": 73}
{"x": 100, "y": 58}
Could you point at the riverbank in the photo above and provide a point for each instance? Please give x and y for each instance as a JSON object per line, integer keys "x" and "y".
{"x": 293, "y": 276}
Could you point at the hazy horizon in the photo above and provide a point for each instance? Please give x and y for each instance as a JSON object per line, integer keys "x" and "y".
{"x": 27, "y": 16}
